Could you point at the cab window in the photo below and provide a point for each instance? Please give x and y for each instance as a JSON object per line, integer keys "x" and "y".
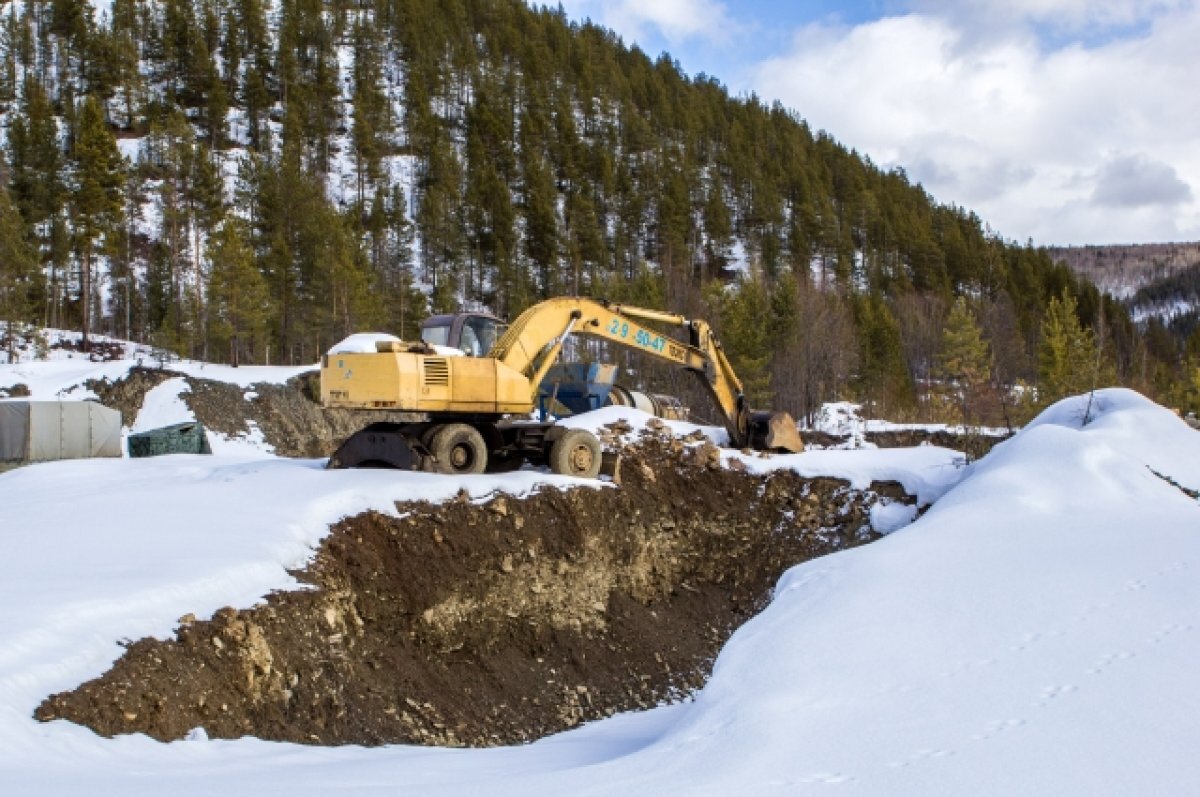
{"x": 436, "y": 335}
{"x": 479, "y": 335}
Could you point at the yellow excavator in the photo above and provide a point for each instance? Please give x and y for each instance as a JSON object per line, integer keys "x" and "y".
{"x": 478, "y": 409}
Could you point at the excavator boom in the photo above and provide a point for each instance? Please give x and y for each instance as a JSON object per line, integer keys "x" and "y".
{"x": 532, "y": 344}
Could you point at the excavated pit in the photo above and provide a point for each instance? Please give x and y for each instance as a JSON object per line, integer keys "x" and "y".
{"x": 483, "y": 624}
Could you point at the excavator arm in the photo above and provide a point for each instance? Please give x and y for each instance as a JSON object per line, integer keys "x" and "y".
{"x": 533, "y": 342}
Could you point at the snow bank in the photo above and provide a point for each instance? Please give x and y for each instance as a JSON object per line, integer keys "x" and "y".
{"x": 64, "y": 373}
{"x": 1037, "y": 631}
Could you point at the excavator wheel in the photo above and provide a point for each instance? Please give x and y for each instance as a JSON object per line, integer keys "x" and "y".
{"x": 576, "y": 453}
{"x": 458, "y": 449}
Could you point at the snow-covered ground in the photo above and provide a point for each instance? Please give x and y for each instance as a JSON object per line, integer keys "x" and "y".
{"x": 1036, "y": 632}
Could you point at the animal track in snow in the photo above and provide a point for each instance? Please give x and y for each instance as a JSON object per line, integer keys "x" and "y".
{"x": 818, "y": 777}
{"x": 962, "y": 667}
{"x": 1167, "y": 631}
{"x": 924, "y": 754}
{"x": 1107, "y": 659}
{"x": 1032, "y": 638}
{"x": 1175, "y": 568}
{"x": 997, "y": 727}
{"x": 1051, "y": 693}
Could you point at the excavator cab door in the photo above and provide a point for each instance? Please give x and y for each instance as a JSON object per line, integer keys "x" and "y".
{"x": 474, "y": 334}
{"x": 479, "y": 334}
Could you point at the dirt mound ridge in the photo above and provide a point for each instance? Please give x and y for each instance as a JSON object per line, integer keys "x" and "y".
{"x": 289, "y": 415}
{"x": 462, "y": 624}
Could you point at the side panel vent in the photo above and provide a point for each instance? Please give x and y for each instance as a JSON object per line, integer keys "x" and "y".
{"x": 437, "y": 372}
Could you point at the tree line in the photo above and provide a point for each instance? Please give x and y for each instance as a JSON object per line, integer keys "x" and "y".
{"x": 249, "y": 181}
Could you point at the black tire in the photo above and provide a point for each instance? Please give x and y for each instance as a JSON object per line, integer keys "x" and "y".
{"x": 426, "y": 435}
{"x": 576, "y": 453}
{"x": 458, "y": 449}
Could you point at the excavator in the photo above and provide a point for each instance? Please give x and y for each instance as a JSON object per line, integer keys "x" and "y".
{"x": 477, "y": 404}
{"x": 571, "y": 387}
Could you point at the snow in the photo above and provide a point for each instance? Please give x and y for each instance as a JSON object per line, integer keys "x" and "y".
{"x": 844, "y": 419}
{"x": 1034, "y": 632}
{"x": 365, "y": 343}
{"x": 362, "y": 343}
{"x": 63, "y": 372}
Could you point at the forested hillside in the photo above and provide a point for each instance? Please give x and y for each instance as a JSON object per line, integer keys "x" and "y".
{"x": 1122, "y": 270}
{"x": 251, "y": 180}
{"x": 1158, "y": 283}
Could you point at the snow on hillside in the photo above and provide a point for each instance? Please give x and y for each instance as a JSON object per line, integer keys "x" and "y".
{"x": 1037, "y": 631}
{"x": 62, "y": 371}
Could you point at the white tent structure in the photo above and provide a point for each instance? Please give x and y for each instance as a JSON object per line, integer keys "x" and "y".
{"x": 39, "y": 431}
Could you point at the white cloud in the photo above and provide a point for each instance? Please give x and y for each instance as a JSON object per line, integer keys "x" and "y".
{"x": 1054, "y": 142}
{"x": 1059, "y": 17}
{"x": 1134, "y": 181}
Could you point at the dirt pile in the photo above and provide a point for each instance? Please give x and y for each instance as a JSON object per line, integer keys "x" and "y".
{"x": 289, "y": 416}
{"x": 468, "y": 624}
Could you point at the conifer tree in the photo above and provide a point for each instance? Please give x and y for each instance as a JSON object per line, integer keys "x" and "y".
{"x": 1067, "y": 354}
{"x": 740, "y": 312}
{"x": 237, "y": 295}
{"x": 372, "y": 116}
{"x": 883, "y": 377}
{"x": 96, "y": 202}
{"x": 963, "y": 363}
{"x": 19, "y": 276}
{"x": 541, "y": 224}
{"x": 127, "y": 78}
{"x": 439, "y": 225}
{"x": 38, "y": 187}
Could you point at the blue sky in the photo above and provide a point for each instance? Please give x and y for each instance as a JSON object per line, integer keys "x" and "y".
{"x": 1060, "y": 121}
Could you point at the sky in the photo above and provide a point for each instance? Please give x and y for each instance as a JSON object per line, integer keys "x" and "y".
{"x": 1057, "y": 121}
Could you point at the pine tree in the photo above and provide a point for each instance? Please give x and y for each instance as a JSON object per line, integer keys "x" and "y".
{"x": 740, "y": 312}
{"x": 1067, "y": 354}
{"x": 128, "y": 80}
{"x": 237, "y": 295}
{"x": 19, "y": 276}
{"x": 38, "y": 186}
{"x": 439, "y": 225}
{"x": 964, "y": 362}
{"x": 883, "y": 378}
{"x": 372, "y": 117}
{"x": 96, "y": 201}
{"x": 541, "y": 224}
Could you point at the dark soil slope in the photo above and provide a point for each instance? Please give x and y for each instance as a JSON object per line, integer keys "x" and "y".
{"x": 467, "y": 624}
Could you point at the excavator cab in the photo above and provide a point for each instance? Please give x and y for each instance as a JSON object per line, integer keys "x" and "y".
{"x": 474, "y": 334}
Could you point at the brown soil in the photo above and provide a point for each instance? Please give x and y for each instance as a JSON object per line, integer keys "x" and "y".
{"x": 289, "y": 416}
{"x": 461, "y": 624}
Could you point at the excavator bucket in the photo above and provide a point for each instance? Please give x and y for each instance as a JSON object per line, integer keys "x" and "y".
{"x": 774, "y": 431}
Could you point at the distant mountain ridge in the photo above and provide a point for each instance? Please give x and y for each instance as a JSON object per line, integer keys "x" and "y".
{"x": 1123, "y": 269}
{"x": 1153, "y": 280}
